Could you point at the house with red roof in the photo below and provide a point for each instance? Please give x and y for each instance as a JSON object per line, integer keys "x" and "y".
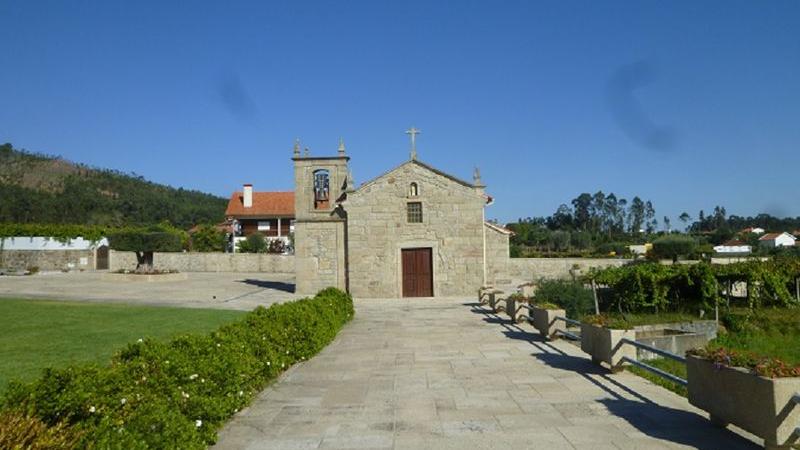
{"x": 773, "y": 240}
{"x": 268, "y": 213}
{"x": 733, "y": 246}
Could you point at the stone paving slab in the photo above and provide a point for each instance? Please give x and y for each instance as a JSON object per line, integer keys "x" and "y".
{"x": 446, "y": 374}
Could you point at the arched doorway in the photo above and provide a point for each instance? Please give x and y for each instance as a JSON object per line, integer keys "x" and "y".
{"x": 101, "y": 258}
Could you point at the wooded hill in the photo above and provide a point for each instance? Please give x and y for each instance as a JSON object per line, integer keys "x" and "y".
{"x": 37, "y": 188}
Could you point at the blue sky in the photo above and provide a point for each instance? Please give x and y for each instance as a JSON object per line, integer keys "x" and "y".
{"x": 689, "y": 104}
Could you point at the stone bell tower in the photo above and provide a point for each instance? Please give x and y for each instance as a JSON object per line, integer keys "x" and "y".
{"x": 320, "y": 227}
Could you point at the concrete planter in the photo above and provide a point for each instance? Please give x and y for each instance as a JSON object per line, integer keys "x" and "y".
{"x": 733, "y": 395}
{"x": 516, "y": 309}
{"x": 544, "y": 320}
{"x": 675, "y": 338}
{"x": 496, "y": 301}
{"x": 604, "y": 346}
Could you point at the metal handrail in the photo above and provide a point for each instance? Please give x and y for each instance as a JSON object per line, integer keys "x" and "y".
{"x": 652, "y": 349}
{"x": 657, "y": 371}
{"x": 796, "y": 398}
{"x": 577, "y": 323}
{"x": 566, "y": 333}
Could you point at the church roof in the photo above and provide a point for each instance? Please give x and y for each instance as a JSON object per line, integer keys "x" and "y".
{"x": 421, "y": 164}
{"x": 264, "y": 204}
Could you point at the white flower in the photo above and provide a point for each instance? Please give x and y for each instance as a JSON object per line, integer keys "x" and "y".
{"x": 241, "y": 393}
{"x": 287, "y": 352}
{"x": 92, "y": 409}
{"x": 202, "y": 380}
{"x": 123, "y": 401}
{"x": 198, "y": 423}
{"x": 217, "y": 345}
{"x": 269, "y": 363}
{"x": 283, "y": 365}
{"x": 184, "y": 394}
{"x": 236, "y": 410}
{"x": 193, "y": 376}
{"x": 140, "y": 340}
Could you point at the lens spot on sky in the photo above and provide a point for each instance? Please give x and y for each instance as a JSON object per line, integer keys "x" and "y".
{"x": 629, "y": 113}
{"x": 235, "y": 98}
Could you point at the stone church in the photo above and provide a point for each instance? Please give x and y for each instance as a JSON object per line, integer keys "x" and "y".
{"x": 413, "y": 231}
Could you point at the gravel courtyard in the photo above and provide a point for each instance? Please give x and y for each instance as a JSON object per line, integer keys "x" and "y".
{"x": 242, "y": 291}
{"x": 446, "y": 374}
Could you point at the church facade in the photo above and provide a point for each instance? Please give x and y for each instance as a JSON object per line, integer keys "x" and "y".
{"x": 413, "y": 231}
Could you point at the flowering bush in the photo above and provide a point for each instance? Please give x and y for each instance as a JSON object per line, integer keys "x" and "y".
{"x": 178, "y": 393}
{"x": 759, "y": 365}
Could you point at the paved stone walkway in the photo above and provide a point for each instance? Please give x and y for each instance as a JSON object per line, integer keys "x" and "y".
{"x": 445, "y": 374}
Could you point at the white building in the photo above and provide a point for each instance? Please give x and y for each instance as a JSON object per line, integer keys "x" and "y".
{"x": 733, "y": 247}
{"x": 755, "y": 230}
{"x": 49, "y": 243}
{"x": 772, "y": 240}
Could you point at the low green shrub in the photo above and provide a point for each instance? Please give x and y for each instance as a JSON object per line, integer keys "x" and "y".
{"x": 208, "y": 238}
{"x": 255, "y": 243}
{"x": 546, "y": 305}
{"x": 19, "y": 431}
{"x": 673, "y": 246}
{"x": 177, "y": 394}
{"x": 607, "y": 321}
{"x": 572, "y": 296}
{"x": 516, "y": 296}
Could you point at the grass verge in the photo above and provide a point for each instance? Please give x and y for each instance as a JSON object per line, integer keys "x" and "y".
{"x": 35, "y": 334}
{"x": 174, "y": 394}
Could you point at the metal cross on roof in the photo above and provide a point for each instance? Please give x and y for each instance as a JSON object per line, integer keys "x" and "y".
{"x": 413, "y": 132}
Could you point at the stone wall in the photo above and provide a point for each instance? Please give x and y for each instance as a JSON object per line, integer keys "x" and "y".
{"x": 497, "y": 254}
{"x": 319, "y": 250}
{"x": 208, "y": 262}
{"x": 378, "y": 230}
{"x": 19, "y": 260}
{"x": 520, "y": 270}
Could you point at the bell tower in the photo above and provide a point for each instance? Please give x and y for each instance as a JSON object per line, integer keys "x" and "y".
{"x": 320, "y": 225}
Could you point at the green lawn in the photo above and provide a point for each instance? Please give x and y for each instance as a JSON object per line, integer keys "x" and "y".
{"x": 773, "y": 332}
{"x": 37, "y": 333}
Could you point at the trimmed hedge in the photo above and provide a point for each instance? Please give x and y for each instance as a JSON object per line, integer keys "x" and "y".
{"x": 178, "y": 394}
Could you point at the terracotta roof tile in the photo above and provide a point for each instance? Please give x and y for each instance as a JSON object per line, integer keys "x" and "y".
{"x": 734, "y": 242}
{"x": 264, "y": 204}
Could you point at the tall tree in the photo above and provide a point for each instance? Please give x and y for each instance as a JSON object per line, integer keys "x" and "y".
{"x": 597, "y": 211}
{"x": 581, "y": 206}
{"x": 636, "y": 215}
{"x": 650, "y": 217}
{"x": 610, "y": 213}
